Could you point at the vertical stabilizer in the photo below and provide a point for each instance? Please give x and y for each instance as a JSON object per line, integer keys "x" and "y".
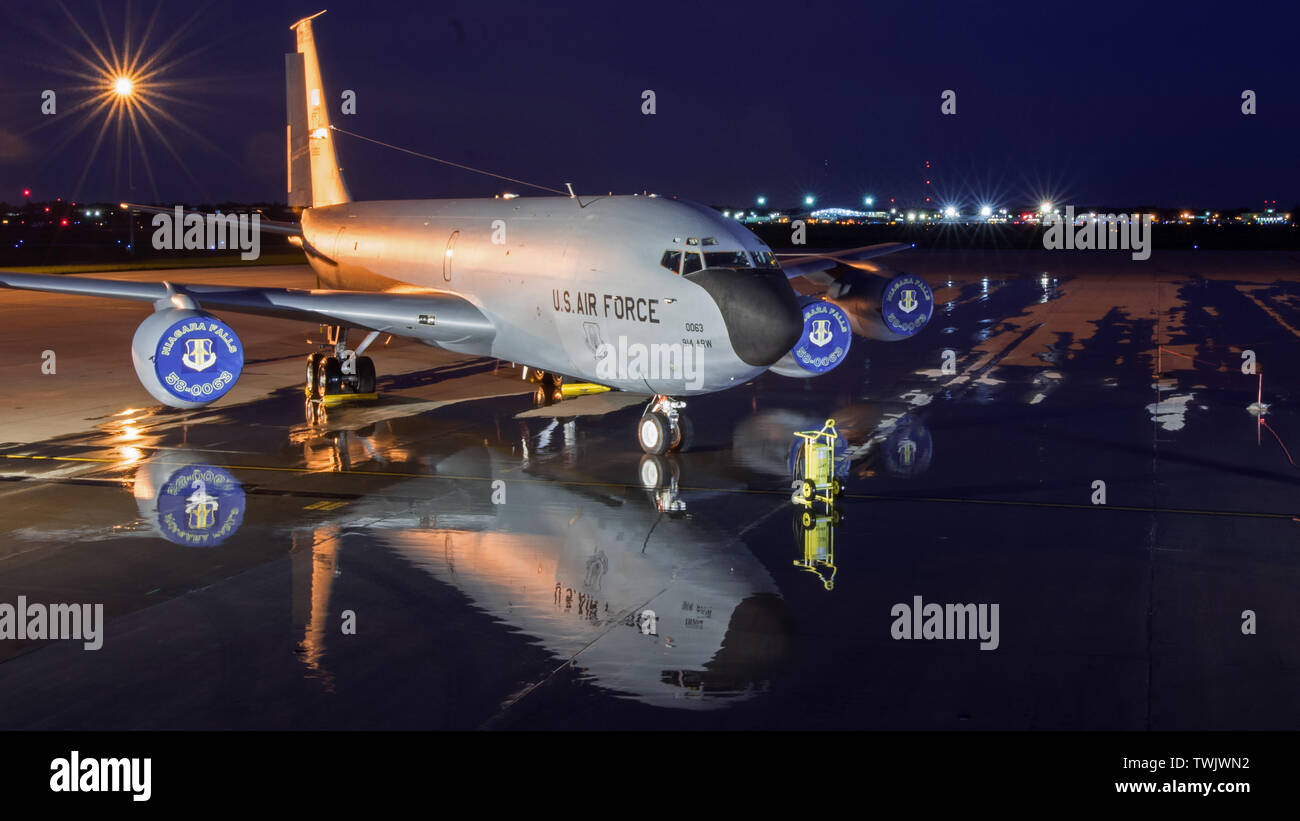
{"x": 318, "y": 181}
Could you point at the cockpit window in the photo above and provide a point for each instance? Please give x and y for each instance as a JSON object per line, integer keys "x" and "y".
{"x": 764, "y": 259}
{"x": 692, "y": 263}
{"x": 672, "y": 260}
{"x": 726, "y": 259}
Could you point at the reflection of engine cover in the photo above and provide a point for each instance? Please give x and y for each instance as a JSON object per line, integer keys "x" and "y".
{"x": 907, "y": 449}
{"x": 186, "y": 358}
{"x": 189, "y": 504}
{"x": 823, "y": 344}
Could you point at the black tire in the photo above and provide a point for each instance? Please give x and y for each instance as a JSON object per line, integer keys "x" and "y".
{"x": 365, "y": 374}
{"x": 313, "y": 363}
{"x": 807, "y": 490}
{"x": 836, "y": 488}
{"x": 652, "y": 432}
{"x": 329, "y": 378}
{"x": 683, "y": 434}
{"x": 806, "y": 519}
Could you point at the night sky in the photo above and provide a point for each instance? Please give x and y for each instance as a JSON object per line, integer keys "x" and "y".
{"x": 1093, "y": 103}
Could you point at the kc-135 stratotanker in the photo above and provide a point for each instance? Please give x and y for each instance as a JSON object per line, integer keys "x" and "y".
{"x": 645, "y": 294}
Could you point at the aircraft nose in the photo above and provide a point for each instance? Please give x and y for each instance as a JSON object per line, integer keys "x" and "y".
{"x": 759, "y": 309}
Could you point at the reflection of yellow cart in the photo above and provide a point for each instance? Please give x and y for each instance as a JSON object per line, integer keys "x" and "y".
{"x": 815, "y": 535}
{"x": 815, "y": 479}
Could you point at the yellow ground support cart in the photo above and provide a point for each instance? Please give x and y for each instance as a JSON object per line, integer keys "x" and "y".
{"x": 815, "y": 479}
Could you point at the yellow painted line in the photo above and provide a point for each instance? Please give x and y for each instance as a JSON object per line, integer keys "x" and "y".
{"x": 339, "y": 398}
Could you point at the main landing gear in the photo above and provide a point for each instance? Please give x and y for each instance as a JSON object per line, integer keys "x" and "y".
{"x": 550, "y": 386}
{"x": 336, "y": 374}
{"x": 664, "y": 427}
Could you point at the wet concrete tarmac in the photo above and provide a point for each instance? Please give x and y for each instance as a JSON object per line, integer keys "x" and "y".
{"x": 452, "y": 557}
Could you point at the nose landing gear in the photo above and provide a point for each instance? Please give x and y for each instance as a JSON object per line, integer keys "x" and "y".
{"x": 336, "y": 374}
{"x": 663, "y": 426}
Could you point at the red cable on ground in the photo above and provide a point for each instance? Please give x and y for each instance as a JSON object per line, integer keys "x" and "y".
{"x": 1265, "y": 423}
{"x": 1163, "y": 349}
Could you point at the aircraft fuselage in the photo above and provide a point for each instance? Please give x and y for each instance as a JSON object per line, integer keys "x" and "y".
{"x": 575, "y": 287}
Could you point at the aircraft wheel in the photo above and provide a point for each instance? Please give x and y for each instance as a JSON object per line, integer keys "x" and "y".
{"x": 313, "y": 363}
{"x": 806, "y": 519}
{"x": 365, "y": 374}
{"x": 329, "y": 377}
{"x": 836, "y": 488}
{"x": 807, "y": 490}
{"x": 652, "y": 433}
{"x": 683, "y": 435}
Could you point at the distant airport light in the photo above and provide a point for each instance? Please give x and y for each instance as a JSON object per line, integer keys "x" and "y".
{"x": 986, "y": 211}
{"x": 809, "y": 199}
{"x": 762, "y": 200}
{"x": 1045, "y": 207}
{"x": 27, "y": 192}
{"x": 869, "y": 200}
{"x": 123, "y": 86}
{"x": 911, "y": 216}
{"x": 949, "y": 212}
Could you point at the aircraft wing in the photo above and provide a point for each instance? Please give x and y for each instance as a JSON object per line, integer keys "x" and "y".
{"x": 801, "y": 265}
{"x": 433, "y": 316}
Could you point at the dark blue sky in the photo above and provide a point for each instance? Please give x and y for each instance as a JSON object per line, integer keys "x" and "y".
{"x": 1112, "y": 102}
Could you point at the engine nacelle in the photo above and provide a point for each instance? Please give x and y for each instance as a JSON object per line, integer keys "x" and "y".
{"x": 884, "y": 307}
{"x": 186, "y": 358}
{"x": 824, "y": 342}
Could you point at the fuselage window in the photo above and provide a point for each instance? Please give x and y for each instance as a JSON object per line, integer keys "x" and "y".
{"x": 672, "y": 260}
{"x": 692, "y": 263}
{"x": 764, "y": 259}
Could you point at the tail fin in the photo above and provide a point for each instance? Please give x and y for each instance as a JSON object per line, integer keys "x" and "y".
{"x": 314, "y": 176}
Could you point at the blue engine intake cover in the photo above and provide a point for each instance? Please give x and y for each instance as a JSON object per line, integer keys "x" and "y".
{"x": 826, "y": 336}
{"x": 906, "y": 304}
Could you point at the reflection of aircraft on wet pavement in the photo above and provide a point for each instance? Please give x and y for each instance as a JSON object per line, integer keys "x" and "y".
{"x": 639, "y": 293}
{"x": 656, "y": 604}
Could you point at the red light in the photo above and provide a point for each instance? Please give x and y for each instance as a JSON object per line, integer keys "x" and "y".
{"x": 27, "y": 192}
{"x": 63, "y": 221}
{"x": 47, "y": 209}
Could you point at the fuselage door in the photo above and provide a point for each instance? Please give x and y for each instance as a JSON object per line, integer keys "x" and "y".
{"x": 448, "y": 255}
